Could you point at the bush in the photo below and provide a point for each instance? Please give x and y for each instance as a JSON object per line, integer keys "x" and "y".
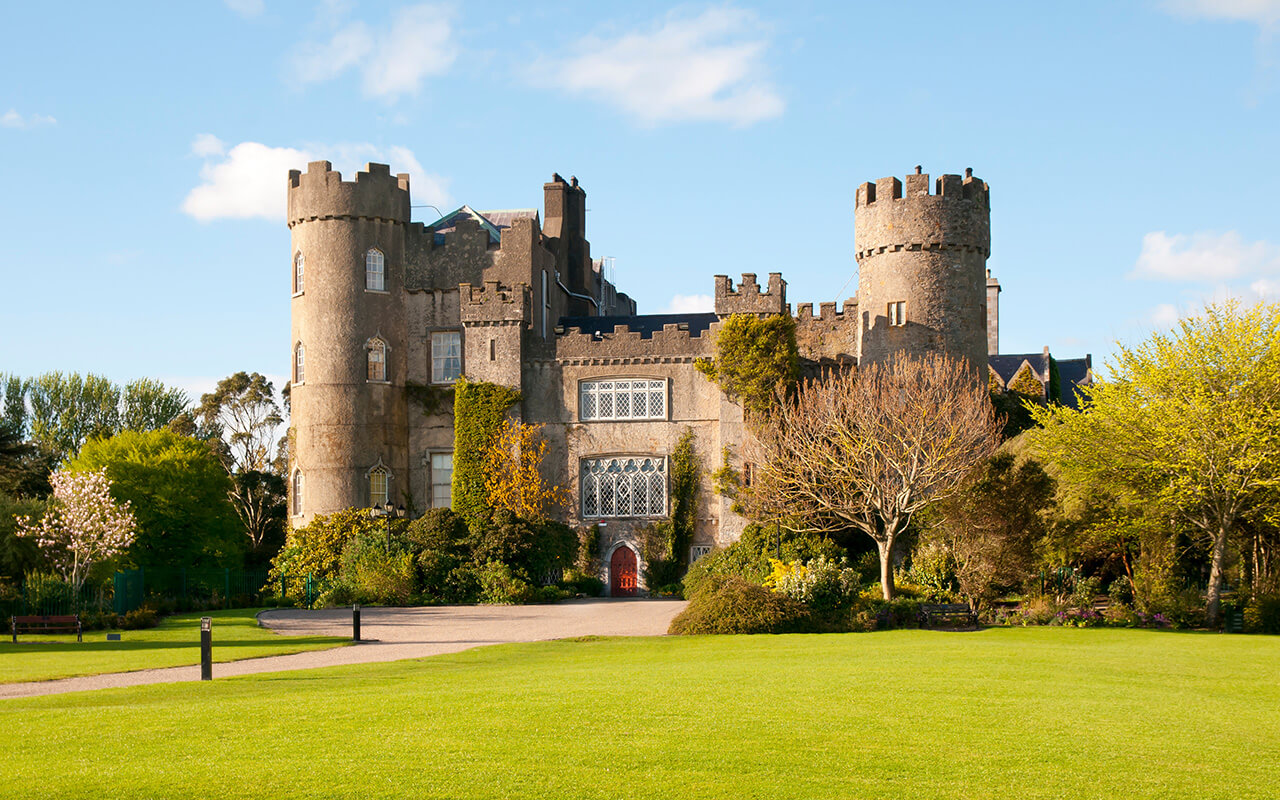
{"x": 822, "y": 584}
{"x": 1262, "y": 615}
{"x": 750, "y": 556}
{"x": 139, "y": 618}
{"x": 550, "y": 594}
{"x": 736, "y": 605}
{"x": 502, "y": 585}
{"x": 588, "y": 585}
{"x": 377, "y": 570}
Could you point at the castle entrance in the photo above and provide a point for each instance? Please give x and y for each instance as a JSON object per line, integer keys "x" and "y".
{"x": 622, "y": 573}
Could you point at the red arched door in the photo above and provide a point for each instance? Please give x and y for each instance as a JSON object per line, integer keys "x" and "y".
{"x": 622, "y": 573}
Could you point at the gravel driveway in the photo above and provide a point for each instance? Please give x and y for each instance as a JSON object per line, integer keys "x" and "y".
{"x": 392, "y": 634}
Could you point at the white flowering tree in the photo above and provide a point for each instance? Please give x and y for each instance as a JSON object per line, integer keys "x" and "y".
{"x": 84, "y": 526}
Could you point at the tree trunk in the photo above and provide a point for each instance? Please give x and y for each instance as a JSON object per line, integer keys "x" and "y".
{"x": 886, "y": 567}
{"x": 1216, "y": 575}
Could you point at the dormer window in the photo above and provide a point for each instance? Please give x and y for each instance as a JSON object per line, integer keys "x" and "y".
{"x": 375, "y": 274}
{"x": 298, "y": 263}
{"x": 377, "y": 361}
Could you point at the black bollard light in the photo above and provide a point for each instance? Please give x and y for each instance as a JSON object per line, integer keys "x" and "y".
{"x": 206, "y": 649}
{"x": 355, "y": 622}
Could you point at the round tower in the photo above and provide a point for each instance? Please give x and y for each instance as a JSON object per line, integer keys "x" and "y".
{"x": 348, "y": 402}
{"x": 922, "y": 281}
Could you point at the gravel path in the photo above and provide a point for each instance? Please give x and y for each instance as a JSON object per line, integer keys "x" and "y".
{"x": 392, "y": 634}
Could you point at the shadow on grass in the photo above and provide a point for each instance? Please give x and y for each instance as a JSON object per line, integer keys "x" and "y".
{"x": 48, "y": 648}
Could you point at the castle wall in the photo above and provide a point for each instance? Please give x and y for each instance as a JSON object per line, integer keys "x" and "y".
{"x": 830, "y": 335}
{"x": 929, "y": 251}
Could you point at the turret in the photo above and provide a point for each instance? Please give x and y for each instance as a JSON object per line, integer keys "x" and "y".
{"x": 922, "y": 266}
{"x": 348, "y": 398}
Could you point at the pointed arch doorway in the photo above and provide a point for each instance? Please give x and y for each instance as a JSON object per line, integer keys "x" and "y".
{"x": 622, "y": 572}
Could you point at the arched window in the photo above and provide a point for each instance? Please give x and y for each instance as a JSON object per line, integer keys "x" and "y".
{"x": 375, "y": 274}
{"x": 377, "y": 360}
{"x": 378, "y": 487}
{"x": 299, "y": 355}
{"x": 297, "y": 492}
{"x": 298, "y": 263}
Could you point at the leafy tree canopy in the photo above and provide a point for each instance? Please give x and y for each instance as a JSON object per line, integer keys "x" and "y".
{"x": 1188, "y": 423}
{"x": 177, "y": 489}
{"x": 755, "y": 356}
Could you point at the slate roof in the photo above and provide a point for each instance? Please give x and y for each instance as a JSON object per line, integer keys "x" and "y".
{"x": 492, "y": 221}
{"x": 1073, "y": 372}
{"x": 1007, "y": 366}
{"x": 645, "y": 323}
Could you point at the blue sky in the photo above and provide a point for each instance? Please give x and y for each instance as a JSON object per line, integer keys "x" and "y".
{"x": 1131, "y": 150}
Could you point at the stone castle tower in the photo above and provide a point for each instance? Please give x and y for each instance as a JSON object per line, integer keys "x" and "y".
{"x": 922, "y": 280}
{"x": 343, "y": 234}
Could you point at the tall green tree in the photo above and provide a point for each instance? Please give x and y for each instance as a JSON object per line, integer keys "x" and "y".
{"x": 242, "y": 412}
{"x": 177, "y": 490}
{"x": 1188, "y": 425}
{"x": 149, "y": 405}
{"x": 68, "y": 410}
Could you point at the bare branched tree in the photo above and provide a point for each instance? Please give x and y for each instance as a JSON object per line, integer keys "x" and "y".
{"x": 868, "y": 449}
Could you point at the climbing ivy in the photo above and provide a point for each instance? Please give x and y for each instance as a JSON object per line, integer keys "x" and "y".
{"x": 478, "y": 412}
{"x": 428, "y": 397}
{"x": 686, "y": 485}
{"x": 754, "y": 357}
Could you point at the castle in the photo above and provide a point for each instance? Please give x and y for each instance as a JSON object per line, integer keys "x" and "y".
{"x": 386, "y": 312}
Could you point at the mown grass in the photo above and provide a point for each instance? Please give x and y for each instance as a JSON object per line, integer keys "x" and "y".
{"x": 175, "y": 642}
{"x": 1005, "y": 713}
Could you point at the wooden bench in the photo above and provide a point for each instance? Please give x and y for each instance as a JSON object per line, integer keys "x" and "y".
{"x": 953, "y": 613}
{"x": 47, "y": 625}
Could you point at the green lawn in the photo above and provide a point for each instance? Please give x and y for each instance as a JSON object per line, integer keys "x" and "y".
{"x": 1005, "y": 713}
{"x": 176, "y": 642}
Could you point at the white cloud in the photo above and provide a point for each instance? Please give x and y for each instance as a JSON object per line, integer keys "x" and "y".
{"x": 1164, "y": 316}
{"x": 246, "y": 8}
{"x": 1264, "y": 13}
{"x": 248, "y": 181}
{"x": 705, "y": 68}
{"x": 690, "y": 304}
{"x": 418, "y": 43}
{"x": 1204, "y": 256}
{"x": 206, "y": 144}
{"x": 12, "y": 119}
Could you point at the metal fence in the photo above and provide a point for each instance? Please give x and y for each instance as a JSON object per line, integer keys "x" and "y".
{"x": 190, "y": 588}
{"x": 48, "y": 596}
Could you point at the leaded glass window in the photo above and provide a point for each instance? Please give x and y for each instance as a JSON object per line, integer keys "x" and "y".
{"x": 375, "y": 275}
{"x": 624, "y": 486}
{"x": 378, "y": 486}
{"x": 625, "y": 398}
{"x": 377, "y": 361}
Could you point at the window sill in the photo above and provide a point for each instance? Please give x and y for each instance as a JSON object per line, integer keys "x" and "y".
{"x": 444, "y": 383}
{"x": 625, "y": 419}
{"x": 379, "y": 383}
{"x": 376, "y": 291}
{"x": 299, "y": 294}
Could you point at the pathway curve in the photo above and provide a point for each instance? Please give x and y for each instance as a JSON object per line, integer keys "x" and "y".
{"x": 393, "y": 634}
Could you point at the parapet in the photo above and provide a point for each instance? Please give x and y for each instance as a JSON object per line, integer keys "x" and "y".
{"x": 623, "y": 345}
{"x": 827, "y": 311}
{"x": 748, "y": 299}
{"x": 492, "y": 304}
{"x": 891, "y": 214}
{"x": 321, "y": 193}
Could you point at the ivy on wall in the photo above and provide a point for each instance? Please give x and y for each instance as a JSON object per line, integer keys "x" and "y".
{"x": 428, "y": 397}
{"x": 754, "y": 357}
{"x": 479, "y": 410}
{"x": 686, "y": 486}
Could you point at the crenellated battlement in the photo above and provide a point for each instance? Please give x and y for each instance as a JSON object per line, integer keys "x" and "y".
{"x": 673, "y": 343}
{"x": 950, "y": 187}
{"x": 892, "y": 216}
{"x": 827, "y": 311}
{"x": 321, "y": 193}
{"x": 491, "y": 303}
{"x": 747, "y": 297}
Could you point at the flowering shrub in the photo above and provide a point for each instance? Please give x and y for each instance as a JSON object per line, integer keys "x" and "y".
{"x": 83, "y": 527}
{"x": 821, "y": 583}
